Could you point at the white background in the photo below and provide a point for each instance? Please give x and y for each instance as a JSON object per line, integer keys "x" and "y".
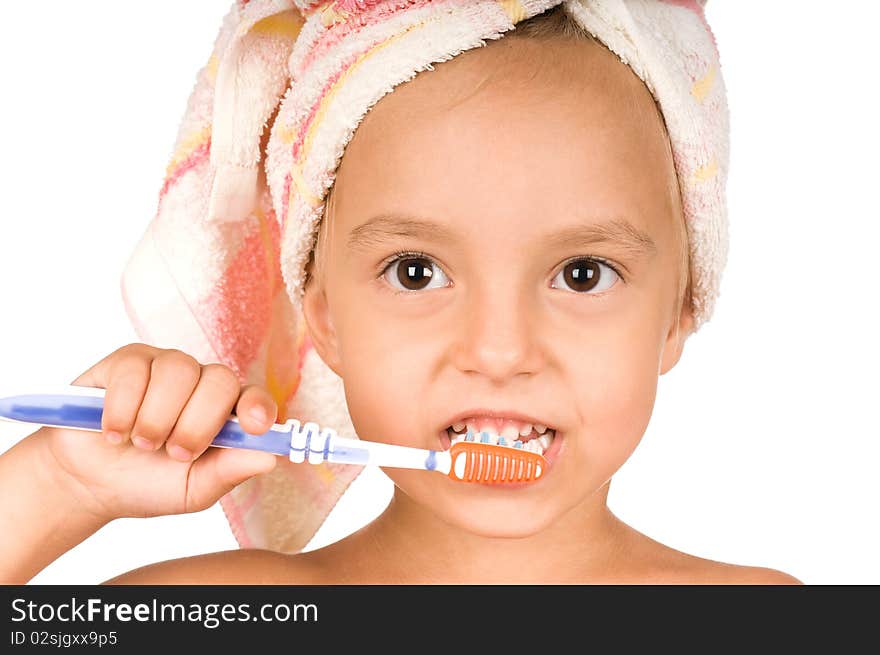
{"x": 763, "y": 446}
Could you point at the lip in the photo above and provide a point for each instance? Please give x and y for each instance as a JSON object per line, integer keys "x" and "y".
{"x": 496, "y": 413}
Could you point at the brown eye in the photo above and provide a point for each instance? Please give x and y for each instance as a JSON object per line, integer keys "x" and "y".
{"x": 585, "y": 275}
{"x": 412, "y": 273}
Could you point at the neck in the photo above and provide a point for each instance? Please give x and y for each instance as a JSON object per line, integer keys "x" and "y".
{"x": 409, "y": 544}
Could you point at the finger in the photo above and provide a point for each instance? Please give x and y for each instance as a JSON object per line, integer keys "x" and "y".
{"x": 98, "y": 375}
{"x": 207, "y": 409}
{"x": 256, "y": 409}
{"x": 173, "y": 377}
{"x": 220, "y": 470}
{"x": 125, "y": 378}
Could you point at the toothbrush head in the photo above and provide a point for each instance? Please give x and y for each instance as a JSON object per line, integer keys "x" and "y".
{"x": 473, "y": 461}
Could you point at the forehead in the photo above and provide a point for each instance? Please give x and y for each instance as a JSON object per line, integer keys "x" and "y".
{"x": 512, "y": 131}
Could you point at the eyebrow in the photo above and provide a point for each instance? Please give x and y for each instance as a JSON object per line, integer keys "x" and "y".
{"x": 387, "y": 227}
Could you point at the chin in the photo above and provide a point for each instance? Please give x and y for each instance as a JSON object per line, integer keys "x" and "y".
{"x": 501, "y": 520}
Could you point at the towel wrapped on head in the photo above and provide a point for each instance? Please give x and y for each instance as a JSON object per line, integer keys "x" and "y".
{"x": 219, "y": 272}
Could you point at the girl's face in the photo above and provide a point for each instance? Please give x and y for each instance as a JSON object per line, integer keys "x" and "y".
{"x": 531, "y": 187}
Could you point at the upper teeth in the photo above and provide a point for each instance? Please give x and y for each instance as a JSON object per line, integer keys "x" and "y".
{"x": 510, "y": 430}
{"x": 510, "y": 435}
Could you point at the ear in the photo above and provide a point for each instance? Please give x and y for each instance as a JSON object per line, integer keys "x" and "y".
{"x": 675, "y": 339}
{"x": 320, "y": 327}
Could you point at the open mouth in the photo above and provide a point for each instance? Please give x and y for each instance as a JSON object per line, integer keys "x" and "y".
{"x": 510, "y": 434}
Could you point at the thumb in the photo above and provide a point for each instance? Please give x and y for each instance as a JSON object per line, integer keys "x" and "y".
{"x": 219, "y": 470}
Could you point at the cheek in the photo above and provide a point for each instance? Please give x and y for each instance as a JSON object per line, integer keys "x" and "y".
{"x": 615, "y": 393}
{"x": 385, "y": 384}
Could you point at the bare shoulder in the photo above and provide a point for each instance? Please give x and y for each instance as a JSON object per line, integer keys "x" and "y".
{"x": 237, "y": 567}
{"x": 657, "y": 563}
{"x": 682, "y": 568}
{"x": 754, "y": 575}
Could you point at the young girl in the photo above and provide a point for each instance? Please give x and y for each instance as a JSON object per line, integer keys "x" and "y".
{"x": 518, "y": 240}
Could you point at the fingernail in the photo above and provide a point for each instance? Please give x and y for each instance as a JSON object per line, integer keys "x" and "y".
{"x": 113, "y": 437}
{"x": 140, "y": 442}
{"x": 258, "y": 414}
{"x": 180, "y": 454}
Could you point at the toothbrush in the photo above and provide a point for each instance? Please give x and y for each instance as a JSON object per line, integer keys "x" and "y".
{"x": 466, "y": 461}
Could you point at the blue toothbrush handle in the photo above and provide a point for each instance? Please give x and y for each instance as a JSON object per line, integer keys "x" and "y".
{"x": 83, "y": 409}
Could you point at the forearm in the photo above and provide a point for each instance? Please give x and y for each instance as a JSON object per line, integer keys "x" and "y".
{"x": 39, "y": 518}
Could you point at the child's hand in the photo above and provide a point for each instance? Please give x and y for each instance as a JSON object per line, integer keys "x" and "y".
{"x": 166, "y": 400}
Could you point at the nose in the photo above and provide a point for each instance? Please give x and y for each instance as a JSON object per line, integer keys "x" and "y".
{"x": 499, "y": 340}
